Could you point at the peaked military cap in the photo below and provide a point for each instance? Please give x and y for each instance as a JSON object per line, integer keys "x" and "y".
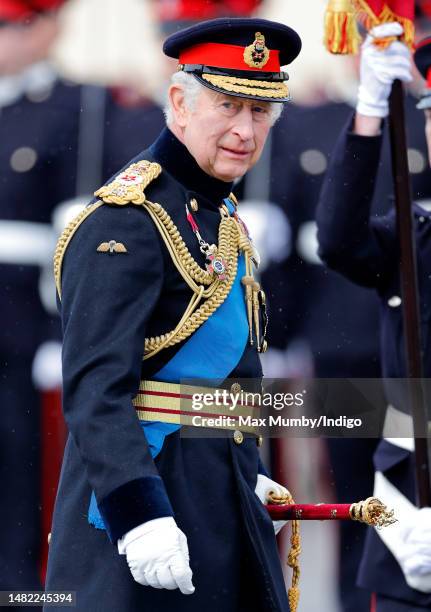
{"x": 422, "y": 59}
{"x": 237, "y": 56}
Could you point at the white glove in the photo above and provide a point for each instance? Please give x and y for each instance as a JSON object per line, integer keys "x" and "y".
{"x": 158, "y": 555}
{"x": 264, "y": 487}
{"x": 415, "y": 554}
{"x": 380, "y": 68}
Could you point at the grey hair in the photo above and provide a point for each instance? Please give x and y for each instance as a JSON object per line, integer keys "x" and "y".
{"x": 192, "y": 87}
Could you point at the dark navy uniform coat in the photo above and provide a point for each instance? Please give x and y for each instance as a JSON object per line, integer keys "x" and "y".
{"x": 109, "y": 306}
{"x": 364, "y": 248}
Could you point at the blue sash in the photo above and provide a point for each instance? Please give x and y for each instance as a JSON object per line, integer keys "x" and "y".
{"x": 212, "y": 352}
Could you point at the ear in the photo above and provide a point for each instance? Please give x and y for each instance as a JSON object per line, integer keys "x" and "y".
{"x": 178, "y": 105}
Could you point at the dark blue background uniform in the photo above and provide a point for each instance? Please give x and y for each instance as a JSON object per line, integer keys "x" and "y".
{"x": 39, "y": 140}
{"x": 310, "y": 303}
{"x": 109, "y": 306}
{"x": 39, "y": 135}
{"x": 338, "y": 319}
{"x": 364, "y": 248}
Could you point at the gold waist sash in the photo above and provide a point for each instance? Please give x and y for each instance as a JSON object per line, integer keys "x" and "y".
{"x": 184, "y": 405}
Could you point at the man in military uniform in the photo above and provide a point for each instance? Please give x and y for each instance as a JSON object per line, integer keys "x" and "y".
{"x": 396, "y": 565}
{"x": 151, "y": 278}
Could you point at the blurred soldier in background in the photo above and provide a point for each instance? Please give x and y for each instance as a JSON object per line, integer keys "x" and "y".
{"x": 363, "y": 247}
{"x": 57, "y": 141}
{"x": 321, "y": 321}
{"x": 315, "y": 311}
{"x": 37, "y": 170}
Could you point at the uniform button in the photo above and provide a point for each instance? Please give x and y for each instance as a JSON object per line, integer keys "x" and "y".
{"x": 235, "y": 388}
{"x": 238, "y": 436}
{"x": 394, "y": 301}
{"x": 416, "y": 160}
{"x": 259, "y": 440}
{"x": 313, "y": 161}
{"x": 23, "y": 159}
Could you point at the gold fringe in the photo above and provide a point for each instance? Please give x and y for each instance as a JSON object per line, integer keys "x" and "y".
{"x": 341, "y": 32}
{"x": 255, "y": 88}
{"x": 370, "y": 19}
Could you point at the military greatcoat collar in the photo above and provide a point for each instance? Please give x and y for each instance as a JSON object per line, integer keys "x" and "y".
{"x": 175, "y": 158}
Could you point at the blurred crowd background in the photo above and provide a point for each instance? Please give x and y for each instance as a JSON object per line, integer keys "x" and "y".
{"x": 82, "y": 86}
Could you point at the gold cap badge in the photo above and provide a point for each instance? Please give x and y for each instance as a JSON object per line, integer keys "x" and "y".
{"x": 256, "y": 55}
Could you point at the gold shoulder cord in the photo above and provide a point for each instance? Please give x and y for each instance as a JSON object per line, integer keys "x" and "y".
{"x": 128, "y": 188}
{"x": 66, "y": 237}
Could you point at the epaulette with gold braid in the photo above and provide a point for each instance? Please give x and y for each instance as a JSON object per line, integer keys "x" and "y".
{"x": 128, "y": 187}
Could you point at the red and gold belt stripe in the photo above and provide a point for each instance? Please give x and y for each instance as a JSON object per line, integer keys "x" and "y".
{"x": 173, "y": 403}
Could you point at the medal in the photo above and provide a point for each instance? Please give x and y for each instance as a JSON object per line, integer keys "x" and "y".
{"x": 214, "y": 264}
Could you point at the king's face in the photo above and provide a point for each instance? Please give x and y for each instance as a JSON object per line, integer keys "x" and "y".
{"x": 226, "y": 134}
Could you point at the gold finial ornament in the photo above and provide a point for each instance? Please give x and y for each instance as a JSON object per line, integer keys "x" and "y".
{"x": 372, "y": 512}
{"x": 256, "y": 55}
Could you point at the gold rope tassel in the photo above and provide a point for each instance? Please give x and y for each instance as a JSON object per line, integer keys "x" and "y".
{"x": 294, "y": 552}
{"x": 341, "y": 32}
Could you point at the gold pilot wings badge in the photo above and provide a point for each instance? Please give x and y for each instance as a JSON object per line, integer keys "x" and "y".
{"x": 111, "y": 247}
{"x": 128, "y": 187}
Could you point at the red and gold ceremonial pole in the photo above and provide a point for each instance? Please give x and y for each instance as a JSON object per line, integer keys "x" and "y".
{"x": 341, "y": 36}
{"x": 370, "y": 511}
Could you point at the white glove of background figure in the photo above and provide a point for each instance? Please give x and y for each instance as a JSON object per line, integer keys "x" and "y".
{"x": 414, "y": 555}
{"x": 158, "y": 555}
{"x": 380, "y": 68}
{"x": 263, "y": 487}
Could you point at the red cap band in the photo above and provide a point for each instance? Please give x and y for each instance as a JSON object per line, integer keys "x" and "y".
{"x": 429, "y": 77}
{"x": 221, "y": 55}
